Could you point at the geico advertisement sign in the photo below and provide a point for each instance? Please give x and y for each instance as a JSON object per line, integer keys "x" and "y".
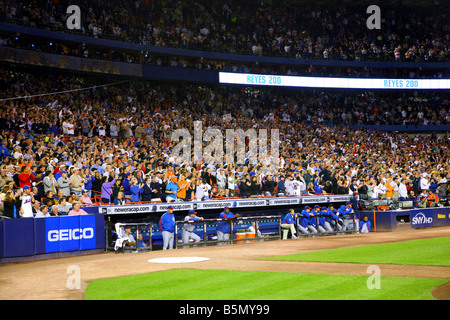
{"x": 70, "y": 234}
{"x": 421, "y": 218}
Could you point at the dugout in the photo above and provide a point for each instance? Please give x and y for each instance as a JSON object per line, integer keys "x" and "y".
{"x": 150, "y": 213}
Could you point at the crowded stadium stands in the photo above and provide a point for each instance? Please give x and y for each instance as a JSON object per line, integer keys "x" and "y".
{"x": 320, "y": 31}
{"x": 129, "y": 139}
{"x": 68, "y": 134}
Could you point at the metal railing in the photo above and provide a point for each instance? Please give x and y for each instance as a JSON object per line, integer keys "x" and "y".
{"x": 236, "y": 226}
{"x": 241, "y": 230}
{"x": 338, "y": 226}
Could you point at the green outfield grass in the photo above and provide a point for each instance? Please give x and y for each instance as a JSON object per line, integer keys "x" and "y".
{"x": 430, "y": 252}
{"x": 192, "y": 284}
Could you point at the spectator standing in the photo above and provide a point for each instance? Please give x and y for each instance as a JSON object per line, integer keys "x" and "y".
{"x": 26, "y": 177}
{"x": 106, "y": 190}
{"x": 281, "y": 187}
{"x": 12, "y": 204}
{"x": 136, "y": 190}
{"x": 97, "y": 182}
{"x": 147, "y": 190}
{"x": 221, "y": 179}
{"x": 63, "y": 183}
{"x": 85, "y": 127}
{"x": 76, "y": 186}
{"x": 26, "y": 208}
{"x": 157, "y": 188}
{"x": 402, "y": 190}
{"x": 172, "y": 189}
{"x": 182, "y": 188}
{"x": 49, "y": 182}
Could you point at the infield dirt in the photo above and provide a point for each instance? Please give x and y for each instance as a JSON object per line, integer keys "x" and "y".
{"x": 47, "y": 279}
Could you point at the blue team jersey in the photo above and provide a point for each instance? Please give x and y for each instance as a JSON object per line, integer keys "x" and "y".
{"x": 343, "y": 210}
{"x": 330, "y": 215}
{"x": 167, "y": 222}
{"x": 322, "y": 217}
{"x": 289, "y": 219}
{"x": 362, "y": 223}
{"x": 312, "y": 219}
{"x": 304, "y": 217}
{"x": 224, "y": 226}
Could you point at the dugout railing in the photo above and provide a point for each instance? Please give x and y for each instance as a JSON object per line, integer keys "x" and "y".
{"x": 264, "y": 228}
{"x": 339, "y": 226}
{"x": 242, "y": 230}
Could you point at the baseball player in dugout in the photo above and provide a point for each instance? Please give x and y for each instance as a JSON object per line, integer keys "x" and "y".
{"x": 223, "y": 228}
{"x": 167, "y": 228}
{"x": 188, "y": 228}
{"x": 288, "y": 224}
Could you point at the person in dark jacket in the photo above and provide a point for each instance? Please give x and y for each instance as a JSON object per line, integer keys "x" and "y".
{"x": 157, "y": 189}
{"x": 269, "y": 185}
{"x": 244, "y": 185}
{"x": 11, "y": 204}
{"x": 146, "y": 194}
{"x": 281, "y": 187}
{"x": 97, "y": 182}
{"x": 253, "y": 189}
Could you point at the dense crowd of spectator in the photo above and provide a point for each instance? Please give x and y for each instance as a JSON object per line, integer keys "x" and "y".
{"x": 113, "y": 142}
{"x": 267, "y": 28}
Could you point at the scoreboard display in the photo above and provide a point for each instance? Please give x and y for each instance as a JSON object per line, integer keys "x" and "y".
{"x": 332, "y": 82}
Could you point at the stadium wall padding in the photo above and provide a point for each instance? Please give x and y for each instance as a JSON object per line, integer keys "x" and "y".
{"x": 418, "y": 218}
{"x": 35, "y": 236}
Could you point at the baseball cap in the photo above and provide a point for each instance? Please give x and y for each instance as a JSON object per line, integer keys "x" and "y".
{"x": 192, "y": 212}
{"x": 25, "y": 188}
{"x": 227, "y": 207}
{"x": 307, "y": 207}
{"x": 316, "y": 206}
{"x": 348, "y": 202}
{"x": 170, "y": 207}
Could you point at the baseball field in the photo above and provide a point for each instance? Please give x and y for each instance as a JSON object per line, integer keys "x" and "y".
{"x": 409, "y": 264}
